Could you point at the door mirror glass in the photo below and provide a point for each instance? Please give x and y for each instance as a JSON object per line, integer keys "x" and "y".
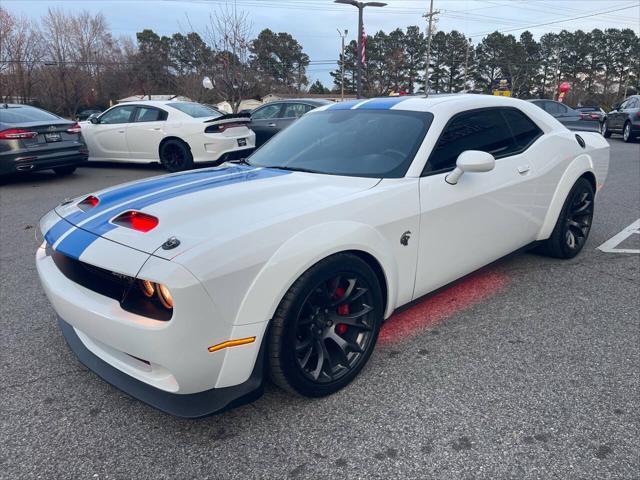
{"x": 471, "y": 161}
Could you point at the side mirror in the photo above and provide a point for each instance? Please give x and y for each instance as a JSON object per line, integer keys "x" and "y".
{"x": 471, "y": 161}
{"x": 94, "y": 120}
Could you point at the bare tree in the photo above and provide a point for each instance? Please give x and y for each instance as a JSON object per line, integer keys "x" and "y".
{"x": 229, "y": 36}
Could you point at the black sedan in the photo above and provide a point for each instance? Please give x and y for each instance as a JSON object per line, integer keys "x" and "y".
{"x": 34, "y": 139}
{"x": 269, "y": 119}
{"x": 570, "y": 118}
{"x": 624, "y": 119}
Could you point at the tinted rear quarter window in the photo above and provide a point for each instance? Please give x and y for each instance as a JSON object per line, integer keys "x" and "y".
{"x": 195, "y": 110}
{"x": 525, "y": 132}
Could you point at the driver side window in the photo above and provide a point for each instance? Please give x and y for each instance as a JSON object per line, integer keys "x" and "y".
{"x": 268, "y": 112}
{"x": 118, "y": 115}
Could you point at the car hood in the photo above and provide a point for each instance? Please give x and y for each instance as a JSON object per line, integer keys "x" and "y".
{"x": 199, "y": 205}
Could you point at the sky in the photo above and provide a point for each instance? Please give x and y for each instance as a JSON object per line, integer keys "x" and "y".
{"x": 314, "y": 22}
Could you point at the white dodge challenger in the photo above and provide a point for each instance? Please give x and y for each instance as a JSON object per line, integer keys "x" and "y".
{"x": 176, "y": 134}
{"x": 187, "y": 290}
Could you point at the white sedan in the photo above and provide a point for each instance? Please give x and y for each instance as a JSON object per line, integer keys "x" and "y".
{"x": 177, "y": 134}
{"x": 187, "y": 290}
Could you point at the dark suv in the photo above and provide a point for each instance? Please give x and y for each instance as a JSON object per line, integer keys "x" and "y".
{"x": 624, "y": 119}
{"x": 34, "y": 139}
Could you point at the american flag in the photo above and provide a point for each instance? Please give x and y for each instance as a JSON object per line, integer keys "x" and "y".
{"x": 364, "y": 45}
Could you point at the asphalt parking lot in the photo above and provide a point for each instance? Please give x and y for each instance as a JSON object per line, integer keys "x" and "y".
{"x": 529, "y": 368}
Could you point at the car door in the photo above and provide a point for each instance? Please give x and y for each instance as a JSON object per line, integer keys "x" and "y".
{"x": 107, "y": 139}
{"x": 265, "y": 121}
{"x": 485, "y": 215}
{"x": 292, "y": 112}
{"x": 145, "y": 133}
{"x": 618, "y": 115}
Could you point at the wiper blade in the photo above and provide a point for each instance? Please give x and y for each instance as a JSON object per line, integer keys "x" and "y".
{"x": 293, "y": 169}
{"x": 241, "y": 161}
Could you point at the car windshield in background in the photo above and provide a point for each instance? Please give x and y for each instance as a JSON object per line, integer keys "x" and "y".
{"x": 195, "y": 110}
{"x": 17, "y": 115}
{"x": 362, "y": 143}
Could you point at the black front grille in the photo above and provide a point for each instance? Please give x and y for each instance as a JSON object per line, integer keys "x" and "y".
{"x": 122, "y": 288}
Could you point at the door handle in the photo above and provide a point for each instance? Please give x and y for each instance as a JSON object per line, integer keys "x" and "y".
{"x": 271, "y": 125}
{"x": 522, "y": 169}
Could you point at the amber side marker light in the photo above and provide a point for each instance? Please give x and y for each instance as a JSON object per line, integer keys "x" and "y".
{"x": 231, "y": 343}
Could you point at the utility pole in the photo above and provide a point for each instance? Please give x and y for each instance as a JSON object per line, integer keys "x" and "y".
{"x": 360, "y": 6}
{"x": 342, "y": 57}
{"x": 466, "y": 66}
{"x": 430, "y": 16}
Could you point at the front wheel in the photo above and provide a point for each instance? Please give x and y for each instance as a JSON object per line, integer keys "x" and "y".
{"x": 574, "y": 224}
{"x": 326, "y": 327}
{"x": 175, "y": 156}
{"x": 604, "y": 129}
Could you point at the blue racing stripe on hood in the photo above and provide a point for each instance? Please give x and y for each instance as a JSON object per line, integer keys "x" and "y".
{"x": 76, "y": 242}
{"x": 348, "y": 105}
{"x": 55, "y": 232}
{"x": 146, "y": 187}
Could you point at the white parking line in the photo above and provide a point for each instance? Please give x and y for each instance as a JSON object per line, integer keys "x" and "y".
{"x": 610, "y": 245}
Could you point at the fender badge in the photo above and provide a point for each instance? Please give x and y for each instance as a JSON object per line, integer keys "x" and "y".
{"x": 171, "y": 243}
{"x": 404, "y": 239}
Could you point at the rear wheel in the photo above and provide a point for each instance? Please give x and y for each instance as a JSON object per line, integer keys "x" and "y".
{"x": 175, "y": 156}
{"x": 326, "y": 327}
{"x": 63, "y": 171}
{"x": 604, "y": 129}
{"x": 574, "y": 224}
{"x": 626, "y": 132}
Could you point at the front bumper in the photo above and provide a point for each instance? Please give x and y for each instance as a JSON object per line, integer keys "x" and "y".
{"x": 170, "y": 358}
{"x": 194, "y": 405}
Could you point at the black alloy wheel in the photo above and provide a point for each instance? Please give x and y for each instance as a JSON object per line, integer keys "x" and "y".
{"x": 326, "y": 326}
{"x": 175, "y": 156}
{"x": 333, "y": 328}
{"x": 574, "y": 224}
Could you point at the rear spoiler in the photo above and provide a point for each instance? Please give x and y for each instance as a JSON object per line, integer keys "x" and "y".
{"x": 230, "y": 118}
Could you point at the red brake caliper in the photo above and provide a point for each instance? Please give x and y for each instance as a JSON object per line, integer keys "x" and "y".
{"x": 341, "y": 328}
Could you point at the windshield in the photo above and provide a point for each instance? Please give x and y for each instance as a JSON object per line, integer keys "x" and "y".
{"x": 195, "y": 110}
{"x": 361, "y": 143}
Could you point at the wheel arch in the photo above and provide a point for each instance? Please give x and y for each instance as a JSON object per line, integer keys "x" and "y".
{"x": 581, "y": 166}
{"x": 305, "y": 249}
{"x": 169, "y": 138}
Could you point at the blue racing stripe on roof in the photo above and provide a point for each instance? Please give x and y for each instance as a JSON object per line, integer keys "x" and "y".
{"x": 384, "y": 103}
{"x": 77, "y": 241}
{"x": 348, "y": 105}
{"x": 54, "y": 233}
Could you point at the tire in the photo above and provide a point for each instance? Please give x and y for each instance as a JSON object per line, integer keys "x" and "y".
{"x": 175, "y": 156}
{"x": 626, "y": 133}
{"x": 604, "y": 129}
{"x": 574, "y": 223}
{"x": 311, "y": 352}
{"x": 64, "y": 171}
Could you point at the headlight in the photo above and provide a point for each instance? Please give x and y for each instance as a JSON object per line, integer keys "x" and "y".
{"x": 164, "y": 296}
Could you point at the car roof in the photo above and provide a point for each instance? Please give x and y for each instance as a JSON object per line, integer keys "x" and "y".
{"x": 154, "y": 103}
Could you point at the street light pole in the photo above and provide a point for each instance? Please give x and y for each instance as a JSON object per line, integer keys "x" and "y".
{"x": 360, "y": 6}
{"x": 342, "y": 58}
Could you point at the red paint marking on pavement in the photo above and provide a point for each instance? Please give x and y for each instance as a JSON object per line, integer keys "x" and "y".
{"x": 439, "y": 306}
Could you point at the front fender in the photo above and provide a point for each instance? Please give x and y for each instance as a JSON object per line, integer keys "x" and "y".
{"x": 578, "y": 167}
{"x": 307, "y": 248}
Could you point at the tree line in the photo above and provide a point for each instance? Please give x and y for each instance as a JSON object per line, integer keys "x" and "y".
{"x": 64, "y": 62}
{"x": 601, "y": 65}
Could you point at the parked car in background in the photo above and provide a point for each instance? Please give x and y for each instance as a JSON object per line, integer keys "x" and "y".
{"x": 270, "y": 118}
{"x": 570, "y": 118}
{"x": 86, "y": 114}
{"x": 176, "y": 134}
{"x": 624, "y": 119}
{"x": 34, "y": 139}
{"x": 593, "y": 112}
